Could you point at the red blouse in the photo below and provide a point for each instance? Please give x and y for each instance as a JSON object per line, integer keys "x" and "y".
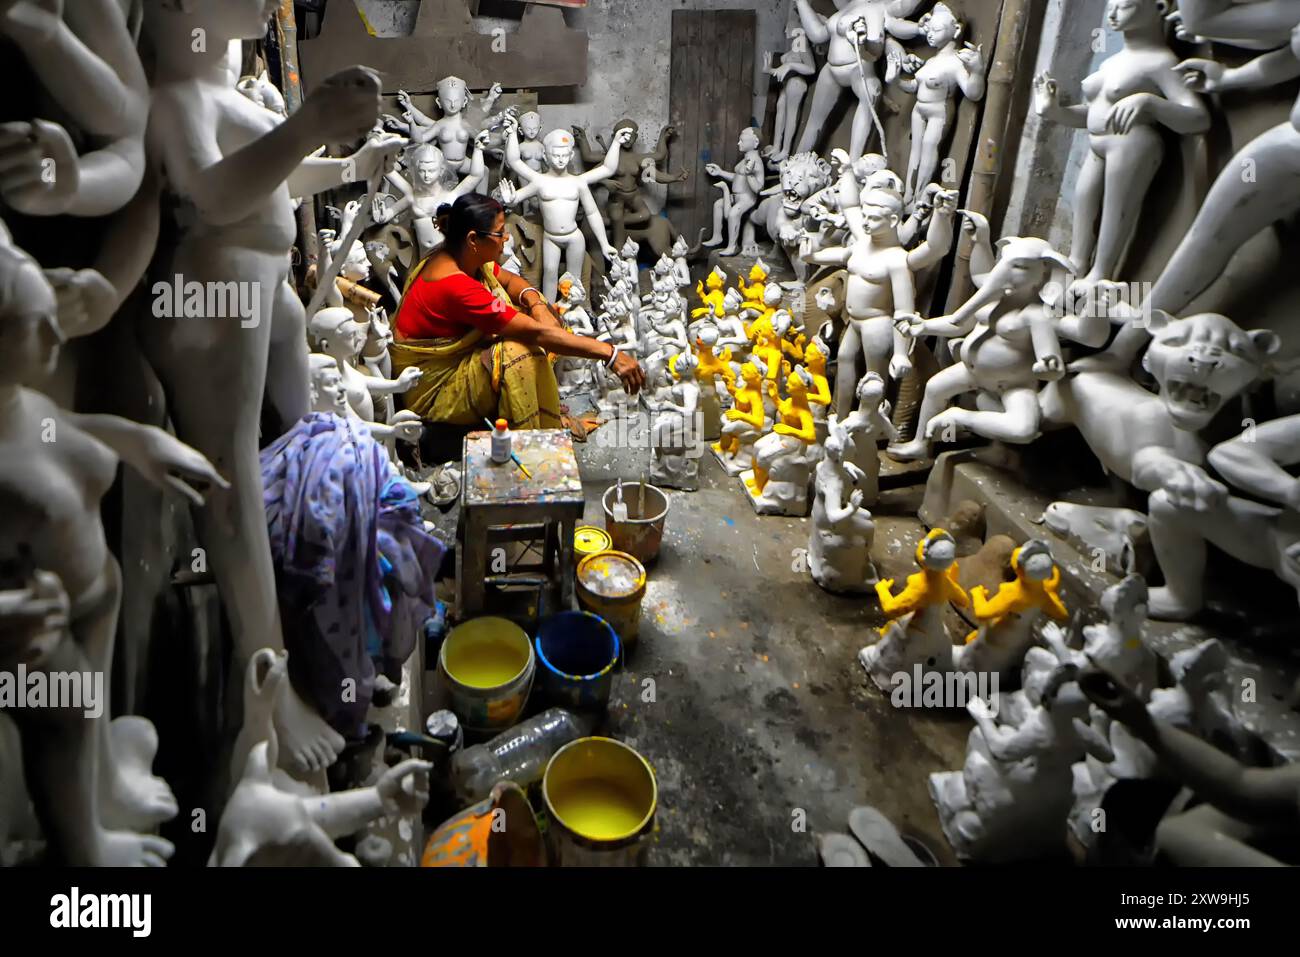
{"x": 447, "y": 307}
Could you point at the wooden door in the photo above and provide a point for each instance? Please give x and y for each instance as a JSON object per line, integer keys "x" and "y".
{"x": 711, "y": 99}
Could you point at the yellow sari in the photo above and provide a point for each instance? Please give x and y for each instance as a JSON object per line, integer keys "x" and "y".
{"x": 457, "y": 386}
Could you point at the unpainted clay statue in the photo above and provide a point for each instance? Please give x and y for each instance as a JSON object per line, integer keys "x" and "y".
{"x": 915, "y": 634}
{"x": 743, "y": 423}
{"x": 1199, "y": 364}
{"x": 457, "y": 129}
{"x": 797, "y": 64}
{"x": 740, "y": 187}
{"x": 574, "y": 374}
{"x": 842, "y": 532}
{"x": 675, "y": 429}
{"x": 1011, "y": 800}
{"x": 782, "y": 212}
{"x": 865, "y": 425}
{"x": 856, "y": 35}
{"x": 55, "y": 467}
{"x": 956, "y": 68}
{"x": 265, "y": 825}
{"x": 1264, "y": 536}
{"x": 1006, "y": 619}
{"x": 561, "y": 192}
{"x": 1238, "y": 206}
{"x": 1248, "y": 811}
{"x": 880, "y": 291}
{"x": 263, "y": 92}
{"x": 1114, "y": 534}
{"x": 628, "y": 215}
{"x": 1008, "y": 341}
{"x": 784, "y": 458}
{"x": 236, "y": 168}
{"x": 330, "y": 394}
{"x": 431, "y": 180}
{"x": 714, "y": 373}
{"x": 1126, "y": 101}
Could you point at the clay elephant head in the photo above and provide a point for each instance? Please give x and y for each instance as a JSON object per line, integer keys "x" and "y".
{"x": 1025, "y": 265}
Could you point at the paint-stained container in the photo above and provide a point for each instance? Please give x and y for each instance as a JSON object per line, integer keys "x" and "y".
{"x": 601, "y": 797}
{"x": 611, "y": 585}
{"x": 499, "y": 831}
{"x": 643, "y": 531}
{"x": 577, "y": 652}
{"x": 590, "y": 540}
{"x": 487, "y": 665}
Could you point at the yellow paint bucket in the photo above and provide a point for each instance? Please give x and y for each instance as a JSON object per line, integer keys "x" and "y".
{"x": 601, "y": 798}
{"x": 487, "y": 665}
{"x": 611, "y": 585}
{"x": 590, "y": 540}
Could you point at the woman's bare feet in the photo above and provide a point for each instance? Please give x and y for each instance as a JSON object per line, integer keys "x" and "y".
{"x": 124, "y": 849}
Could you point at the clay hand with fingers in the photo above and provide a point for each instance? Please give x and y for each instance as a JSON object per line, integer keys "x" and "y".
{"x": 1188, "y": 486}
{"x": 1046, "y": 94}
{"x": 39, "y": 168}
{"x": 86, "y": 300}
{"x": 1117, "y": 699}
{"x": 1129, "y": 112}
{"x": 399, "y": 798}
{"x": 33, "y": 620}
{"x": 345, "y": 106}
{"x": 168, "y": 462}
{"x": 1201, "y": 75}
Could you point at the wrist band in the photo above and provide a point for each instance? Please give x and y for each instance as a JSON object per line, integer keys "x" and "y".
{"x": 609, "y": 363}
{"x": 541, "y": 299}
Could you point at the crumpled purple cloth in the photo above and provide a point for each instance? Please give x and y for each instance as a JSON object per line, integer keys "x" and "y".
{"x": 333, "y": 509}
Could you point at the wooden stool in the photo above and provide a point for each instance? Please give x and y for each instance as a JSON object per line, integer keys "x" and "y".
{"x": 500, "y": 505}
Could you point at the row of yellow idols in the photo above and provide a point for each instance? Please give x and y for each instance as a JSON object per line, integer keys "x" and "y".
{"x": 776, "y": 345}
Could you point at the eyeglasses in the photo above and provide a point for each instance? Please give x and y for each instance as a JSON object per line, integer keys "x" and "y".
{"x": 500, "y": 235}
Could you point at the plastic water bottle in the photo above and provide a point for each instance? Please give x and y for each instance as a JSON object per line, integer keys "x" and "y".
{"x": 520, "y": 754}
{"x": 501, "y": 442}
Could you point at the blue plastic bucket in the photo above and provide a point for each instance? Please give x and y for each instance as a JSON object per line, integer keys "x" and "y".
{"x": 576, "y": 653}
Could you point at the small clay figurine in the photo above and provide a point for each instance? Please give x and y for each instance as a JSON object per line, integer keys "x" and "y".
{"x": 841, "y": 533}
{"x": 783, "y": 459}
{"x": 915, "y": 634}
{"x": 675, "y": 428}
{"x": 743, "y": 423}
{"x": 1007, "y": 619}
{"x": 866, "y": 425}
{"x": 797, "y": 64}
{"x": 431, "y": 181}
{"x": 456, "y": 130}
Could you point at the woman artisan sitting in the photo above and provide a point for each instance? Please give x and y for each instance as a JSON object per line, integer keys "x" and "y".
{"x": 458, "y": 322}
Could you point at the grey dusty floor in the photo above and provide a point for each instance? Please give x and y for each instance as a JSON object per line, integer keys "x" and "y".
{"x": 745, "y": 693}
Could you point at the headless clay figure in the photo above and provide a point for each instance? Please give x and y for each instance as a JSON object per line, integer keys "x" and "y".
{"x": 434, "y": 180}
{"x": 236, "y": 167}
{"x": 268, "y": 822}
{"x": 740, "y": 190}
{"x": 856, "y": 37}
{"x": 880, "y": 290}
{"x": 936, "y": 81}
{"x": 1131, "y": 95}
{"x": 561, "y": 193}
{"x": 94, "y": 794}
{"x": 1237, "y": 206}
{"x": 1245, "y": 807}
{"x": 841, "y": 534}
{"x": 1008, "y": 343}
{"x": 797, "y": 64}
{"x": 1262, "y": 536}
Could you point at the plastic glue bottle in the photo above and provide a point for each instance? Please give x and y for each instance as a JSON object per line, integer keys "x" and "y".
{"x": 500, "y": 453}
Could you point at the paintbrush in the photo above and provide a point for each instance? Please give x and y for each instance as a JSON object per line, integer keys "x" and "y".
{"x": 513, "y": 456}
{"x": 620, "y": 507}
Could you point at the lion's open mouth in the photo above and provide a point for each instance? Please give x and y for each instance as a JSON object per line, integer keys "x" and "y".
{"x": 1194, "y": 396}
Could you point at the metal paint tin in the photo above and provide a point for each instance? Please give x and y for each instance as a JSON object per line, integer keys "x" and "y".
{"x": 643, "y": 532}
{"x": 601, "y": 797}
{"x": 590, "y": 540}
{"x": 576, "y": 654}
{"x": 611, "y": 585}
{"x": 474, "y": 655}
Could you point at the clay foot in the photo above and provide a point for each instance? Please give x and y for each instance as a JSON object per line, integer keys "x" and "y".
{"x": 709, "y": 243}
{"x": 868, "y": 656}
{"x": 881, "y": 838}
{"x": 840, "y": 850}
{"x": 1163, "y": 606}
{"x": 728, "y": 251}
{"x": 125, "y": 849}
{"x": 306, "y": 742}
{"x": 917, "y": 450}
{"x": 133, "y": 798}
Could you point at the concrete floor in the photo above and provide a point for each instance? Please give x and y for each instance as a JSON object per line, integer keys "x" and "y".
{"x": 763, "y": 729}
